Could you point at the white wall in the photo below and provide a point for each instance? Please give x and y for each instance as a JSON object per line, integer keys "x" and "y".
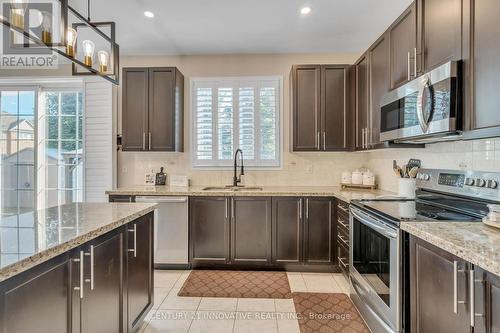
{"x": 298, "y": 168}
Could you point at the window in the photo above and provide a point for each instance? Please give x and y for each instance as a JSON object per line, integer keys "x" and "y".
{"x": 232, "y": 113}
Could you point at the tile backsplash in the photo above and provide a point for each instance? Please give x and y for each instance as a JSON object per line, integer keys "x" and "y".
{"x": 479, "y": 155}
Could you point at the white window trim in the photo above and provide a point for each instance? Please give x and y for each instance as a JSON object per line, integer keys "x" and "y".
{"x": 279, "y": 124}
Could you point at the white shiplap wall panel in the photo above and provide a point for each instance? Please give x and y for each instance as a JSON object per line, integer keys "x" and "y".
{"x": 98, "y": 139}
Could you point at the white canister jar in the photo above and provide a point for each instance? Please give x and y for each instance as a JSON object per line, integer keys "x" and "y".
{"x": 407, "y": 187}
{"x": 346, "y": 177}
{"x": 368, "y": 178}
{"x": 357, "y": 177}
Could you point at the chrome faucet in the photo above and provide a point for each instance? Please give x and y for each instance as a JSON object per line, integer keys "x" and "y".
{"x": 237, "y": 179}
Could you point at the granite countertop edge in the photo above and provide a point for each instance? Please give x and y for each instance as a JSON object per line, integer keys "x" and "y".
{"x": 45, "y": 255}
{"x": 477, "y": 252}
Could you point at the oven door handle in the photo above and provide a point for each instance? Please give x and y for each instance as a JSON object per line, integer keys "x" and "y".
{"x": 390, "y": 233}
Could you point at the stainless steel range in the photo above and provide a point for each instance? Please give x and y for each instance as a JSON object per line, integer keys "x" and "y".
{"x": 379, "y": 249}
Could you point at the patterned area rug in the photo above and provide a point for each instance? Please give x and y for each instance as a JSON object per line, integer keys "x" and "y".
{"x": 327, "y": 313}
{"x": 236, "y": 284}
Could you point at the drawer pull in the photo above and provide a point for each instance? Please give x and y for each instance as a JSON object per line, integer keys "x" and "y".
{"x": 343, "y": 240}
{"x": 341, "y": 261}
{"x": 342, "y": 223}
{"x": 342, "y": 208}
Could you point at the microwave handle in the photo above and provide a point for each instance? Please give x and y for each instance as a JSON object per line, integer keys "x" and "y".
{"x": 424, "y": 125}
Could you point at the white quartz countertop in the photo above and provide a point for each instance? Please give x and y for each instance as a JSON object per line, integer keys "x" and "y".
{"x": 35, "y": 237}
{"x": 313, "y": 191}
{"x": 472, "y": 241}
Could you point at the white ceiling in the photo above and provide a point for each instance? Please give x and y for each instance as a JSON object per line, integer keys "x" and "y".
{"x": 188, "y": 27}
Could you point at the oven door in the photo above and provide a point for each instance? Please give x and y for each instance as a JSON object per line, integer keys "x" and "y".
{"x": 374, "y": 266}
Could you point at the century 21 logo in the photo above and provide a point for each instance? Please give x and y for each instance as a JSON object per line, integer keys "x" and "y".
{"x": 33, "y": 18}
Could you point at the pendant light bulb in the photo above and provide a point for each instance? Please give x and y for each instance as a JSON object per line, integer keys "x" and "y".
{"x": 103, "y": 57}
{"x": 88, "y": 52}
{"x": 46, "y": 27}
{"x": 17, "y": 11}
{"x": 71, "y": 35}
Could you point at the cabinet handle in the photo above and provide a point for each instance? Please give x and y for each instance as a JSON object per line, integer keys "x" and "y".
{"x": 473, "y": 313}
{"x": 343, "y": 224}
{"x": 342, "y": 239}
{"x": 226, "y": 208}
{"x": 134, "y": 230}
{"x": 300, "y": 209}
{"x": 324, "y": 140}
{"x": 144, "y": 141}
{"x": 149, "y": 140}
{"x": 409, "y": 66}
{"x": 91, "y": 254}
{"x": 415, "y": 61}
{"x": 363, "y": 138}
{"x": 232, "y": 209}
{"x": 307, "y": 208}
{"x": 344, "y": 209}
{"x": 80, "y": 286}
{"x": 455, "y": 287}
{"x": 317, "y": 141}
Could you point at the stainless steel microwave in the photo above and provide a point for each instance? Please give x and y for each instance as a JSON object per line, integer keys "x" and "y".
{"x": 428, "y": 108}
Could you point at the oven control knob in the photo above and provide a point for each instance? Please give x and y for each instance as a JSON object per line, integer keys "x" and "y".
{"x": 426, "y": 176}
{"x": 470, "y": 181}
{"x": 493, "y": 184}
{"x": 480, "y": 182}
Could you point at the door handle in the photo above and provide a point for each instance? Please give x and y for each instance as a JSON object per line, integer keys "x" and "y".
{"x": 91, "y": 254}
{"x": 363, "y": 138}
{"x": 80, "y": 285}
{"x": 317, "y": 141}
{"x": 300, "y": 209}
{"x": 134, "y": 250}
{"x": 144, "y": 141}
{"x": 324, "y": 140}
{"x": 149, "y": 140}
{"x": 455, "y": 287}
{"x": 307, "y": 208}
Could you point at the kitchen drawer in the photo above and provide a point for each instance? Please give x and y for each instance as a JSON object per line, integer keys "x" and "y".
{"x": 343, "y": 258}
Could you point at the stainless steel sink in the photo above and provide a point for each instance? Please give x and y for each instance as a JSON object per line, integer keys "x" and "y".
{"x": 232, "y": 188}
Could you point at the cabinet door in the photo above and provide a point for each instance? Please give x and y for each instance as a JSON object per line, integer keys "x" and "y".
{"x": 432, "y": 290}
{"x": 362, "y": 103}
{"x": 335, "y": 126}
{"x": 379, "y": 85}
{"x": 103, "y": 291}
{"x": 161, "y": 135}
{"x": 135, "y": 109}
{"x": 287, "y": 230}
{"x": 402, "y": 47}
{"x": 486, "y": 302}
{"x": 319, "y": 231}
{"x": 440, "y": 30}
{"x": 139, "y": 270}
{"x": 209, "y": 230}
{"x": 306, "y": 81}
{"x": 486, "y": 67}
{"x": 251, "y": 230}
{"x": 39, "y": 300}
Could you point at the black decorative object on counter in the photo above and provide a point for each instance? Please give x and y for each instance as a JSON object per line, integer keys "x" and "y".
{"x": 161, "y": 177}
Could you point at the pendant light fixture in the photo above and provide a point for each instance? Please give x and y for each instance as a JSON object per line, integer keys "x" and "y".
{"x": 80, "y": 53}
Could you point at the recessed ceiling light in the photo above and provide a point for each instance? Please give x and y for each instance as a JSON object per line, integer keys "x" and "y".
{"x": 305, "y": 10}
{"x": 149, "y": 14}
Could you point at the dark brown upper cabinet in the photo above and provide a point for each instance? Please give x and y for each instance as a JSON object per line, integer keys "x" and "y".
{"x": 440, "y": 32}
{"x": 379, "y": 70}
{"x": 320, "y": 108}
{"x": 152, "y": 109}
{"x": 362, "y": 102}
{"x": 482, "y": 98}
{"x": 402, "y": 36}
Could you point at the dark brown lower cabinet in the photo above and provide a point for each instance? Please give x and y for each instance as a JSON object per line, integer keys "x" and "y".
{"x": 139, "y": 270}
{"x": 287, "y": 222}
{"x": 487, "y": 302}
{"x": 29, "y": 300}
{"x": 319, "y": 231}
{"x": 432, "y": 272}
{"x": 209, "y": 230}
{"x": 55, "y": 298}
{"x": 251, "y": 230}
{"x": 102, "y": 296}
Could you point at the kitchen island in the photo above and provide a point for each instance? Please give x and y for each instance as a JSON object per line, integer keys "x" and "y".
{"x": 77, "y": 267}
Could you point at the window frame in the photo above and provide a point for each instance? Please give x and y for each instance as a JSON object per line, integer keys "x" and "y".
{"x": 236, "y": 82}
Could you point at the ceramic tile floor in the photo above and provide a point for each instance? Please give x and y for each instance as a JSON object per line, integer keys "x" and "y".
{"x": 175, "y": 314}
